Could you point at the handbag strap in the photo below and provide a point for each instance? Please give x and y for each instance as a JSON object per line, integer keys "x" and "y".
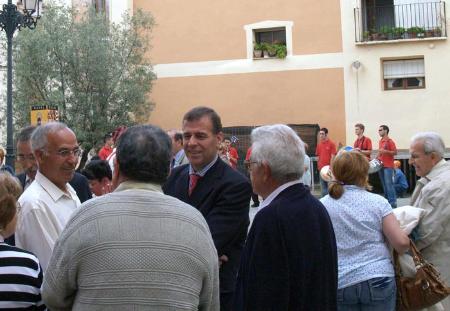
{"x": 416, "y": 256}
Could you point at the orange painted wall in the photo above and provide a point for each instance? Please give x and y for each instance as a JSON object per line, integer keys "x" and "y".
{"x": 202, "y": 30}
{"x": 306, "y": 96}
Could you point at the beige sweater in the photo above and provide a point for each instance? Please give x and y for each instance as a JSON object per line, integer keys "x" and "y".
{"x": 134, "y": 249}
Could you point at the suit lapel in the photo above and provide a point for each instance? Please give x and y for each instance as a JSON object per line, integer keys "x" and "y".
{"x": 206, "y": 184}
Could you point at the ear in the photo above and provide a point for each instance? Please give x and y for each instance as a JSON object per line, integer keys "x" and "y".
{"x": 219, "y": 138}
{"x": 435, "y": 158}
{"x": 39, "y": 155}
{"x": 116, "y": 174}
{"x": 267, "y": 171}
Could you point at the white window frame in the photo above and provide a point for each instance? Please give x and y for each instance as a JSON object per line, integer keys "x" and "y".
{"x": 250, "y": 34}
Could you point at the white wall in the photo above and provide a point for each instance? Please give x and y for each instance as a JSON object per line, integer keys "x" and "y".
{"x": 117, "y": 8}
{"x": 404, "y": 111}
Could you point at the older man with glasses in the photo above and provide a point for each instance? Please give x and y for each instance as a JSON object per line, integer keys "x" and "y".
{"x": 49, "y": 201}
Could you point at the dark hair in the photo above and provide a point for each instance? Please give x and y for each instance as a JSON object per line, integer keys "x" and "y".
{"x": 385, "y": 127}
{"x": 227, "y": 138}
{"x": 25, "y": 134}
{"x": 97, "y": 169}
{"x": 348, "y": 168}
{"x": 144, "y": 153}
{"x": 361, "y": 126}
{"x": 106, "y": 137}
{"x": 197, "y": 113}
{"x": 178, "y": 136}
{"x": 324, "y": 129}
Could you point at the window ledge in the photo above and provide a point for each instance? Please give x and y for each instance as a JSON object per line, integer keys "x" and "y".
{"x": 400, "y": 41}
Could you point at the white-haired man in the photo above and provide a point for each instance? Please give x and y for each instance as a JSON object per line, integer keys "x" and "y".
{"x": 289, "y": 261}
{"x": 49, "y": 201}
{"x": 432, "y": 193}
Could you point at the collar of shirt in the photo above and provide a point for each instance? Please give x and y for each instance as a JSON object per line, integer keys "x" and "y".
{"x": 53, "y": 190}
{"x": 435, "y": 170}
{"x": 133, "y": 185}
{"x": 204, "y": 170}
{"x": 179, "y": 155}
{"x": 276, "y": 192}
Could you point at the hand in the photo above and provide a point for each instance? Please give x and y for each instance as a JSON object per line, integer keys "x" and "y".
{"x": 223, "y": 259}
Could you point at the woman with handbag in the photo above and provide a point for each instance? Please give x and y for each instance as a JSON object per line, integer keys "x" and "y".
{"x": 362, "y": 222}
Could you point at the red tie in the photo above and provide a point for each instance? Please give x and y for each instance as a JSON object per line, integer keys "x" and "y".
{"x": 193, "y": 179}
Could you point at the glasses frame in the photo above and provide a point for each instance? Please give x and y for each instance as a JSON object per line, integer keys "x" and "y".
{"x": 66, "y": 153}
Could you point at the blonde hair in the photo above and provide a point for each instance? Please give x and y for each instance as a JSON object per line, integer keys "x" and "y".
{"x": 348, "y": 168}
{"x": 10, "y": 190}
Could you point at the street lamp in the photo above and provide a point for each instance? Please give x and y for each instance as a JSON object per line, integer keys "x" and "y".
{"x": 10, "y": 20}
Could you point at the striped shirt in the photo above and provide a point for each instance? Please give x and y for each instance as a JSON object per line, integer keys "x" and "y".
{"x": 20, "y": 279}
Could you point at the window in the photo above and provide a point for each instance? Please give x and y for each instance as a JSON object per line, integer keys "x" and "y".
{"x": 269, "y": 32}
{"x": 404, "y": 74}
{"x": 101, "y": 6}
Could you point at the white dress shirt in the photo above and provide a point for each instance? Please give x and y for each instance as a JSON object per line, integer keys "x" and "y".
{"x": 45, "y": 211}
{"x": 276, "y": 192}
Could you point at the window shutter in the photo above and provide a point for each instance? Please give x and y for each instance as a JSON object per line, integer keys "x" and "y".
{"x": 408, "y": 68}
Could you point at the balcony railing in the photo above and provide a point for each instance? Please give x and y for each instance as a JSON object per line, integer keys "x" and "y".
{"x": 402, "y": 21}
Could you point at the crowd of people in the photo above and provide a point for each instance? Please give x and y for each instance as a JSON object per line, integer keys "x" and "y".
{"x": 160, "y": 221}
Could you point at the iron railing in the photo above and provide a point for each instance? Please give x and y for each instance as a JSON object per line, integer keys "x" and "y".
{"x": 402, "y": 21}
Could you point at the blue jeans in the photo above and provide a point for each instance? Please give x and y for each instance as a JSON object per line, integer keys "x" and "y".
{"x": 323, "y": 187}
{"x": 377, "y": 294}
{"x": 387, "y": 181}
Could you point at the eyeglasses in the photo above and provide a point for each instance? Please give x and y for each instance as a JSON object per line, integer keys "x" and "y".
{"x": 23, "y": 157}
{"x": 380, "y": 130}
{"x": 248, "y": 164}
{"x": 65, "y": 153}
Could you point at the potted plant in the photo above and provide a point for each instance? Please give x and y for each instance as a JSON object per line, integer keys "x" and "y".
{"x": 416, "y": 32}
{"x": 375, "y": 35}
{"x": 397, "y": 32}
{"x": 366, "y": 35}
{"x": 258, "y": 49}
{"x": 437, "y": 32}
{"x": 386, "y": 33}
{"x": 281, "y": 50}
{"x": 271, "y": 49}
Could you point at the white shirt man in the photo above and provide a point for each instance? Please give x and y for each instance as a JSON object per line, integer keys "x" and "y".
{"x": 49, "y": 201}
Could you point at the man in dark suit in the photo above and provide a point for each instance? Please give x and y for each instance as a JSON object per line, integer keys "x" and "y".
{"x": 290, "y": 260}
{"x": 219, "y": 192}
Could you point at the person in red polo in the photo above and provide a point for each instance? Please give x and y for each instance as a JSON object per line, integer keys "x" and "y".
{"x": 362, "y": 143}
{"x": 386, "y": 152}
{"x": 107, "y": 147}
{"x": 325, "y": 150}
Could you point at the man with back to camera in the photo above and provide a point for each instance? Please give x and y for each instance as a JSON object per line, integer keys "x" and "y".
{"x": 219, "y": 192}
{"x": 135, "y": 248}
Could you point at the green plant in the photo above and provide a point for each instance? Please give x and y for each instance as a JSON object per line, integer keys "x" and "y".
{"x": 258, "y": 46}
{"x": 271, "y": 49}
{"x": 398, "y": 31}
{"x": 416, "y": 30}
{"x": 385, "y": 30}
{"x": 366, "y": 35}
{"x": 281, "y": 50}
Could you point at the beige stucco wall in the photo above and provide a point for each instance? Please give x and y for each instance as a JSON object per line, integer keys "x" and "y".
{"x": 202, "y": 30}
{"x": 404, "y": 111}
{"x": 304, "y": 96}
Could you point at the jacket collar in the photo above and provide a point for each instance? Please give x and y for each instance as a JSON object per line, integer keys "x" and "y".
{"x": 133, "y": 185}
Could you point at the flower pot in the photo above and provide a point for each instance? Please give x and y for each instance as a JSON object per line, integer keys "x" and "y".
{"x": 266, "y": 54}
{"x": 257, "y": 53}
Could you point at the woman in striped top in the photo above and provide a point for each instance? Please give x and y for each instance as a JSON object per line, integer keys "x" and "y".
{"x": 20, "y": 272}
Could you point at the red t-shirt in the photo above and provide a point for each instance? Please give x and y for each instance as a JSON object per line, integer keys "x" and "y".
{"x": 105, "y": 152}
{"x": 233, "y": 154}
{"x": 325, "y": 150}
{"x": 364, "y": 143}
{"x": 387, "y": 159}
{"x": 249, "y": 154}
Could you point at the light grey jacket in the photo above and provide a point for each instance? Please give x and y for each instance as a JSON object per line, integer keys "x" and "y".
{"x": 432, "y": 193}
{"x": 134, "y": 249}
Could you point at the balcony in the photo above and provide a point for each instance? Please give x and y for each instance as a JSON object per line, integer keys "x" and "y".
{"x": 399, "y": 22}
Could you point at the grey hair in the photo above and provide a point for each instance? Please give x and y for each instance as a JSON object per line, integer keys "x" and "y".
{"x": 432, "y": 142}
{"x": 281, "y": 148}
{"x": 39, "y": 138}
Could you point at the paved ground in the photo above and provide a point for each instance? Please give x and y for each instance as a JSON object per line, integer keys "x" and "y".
{"x": 400, "y": 202}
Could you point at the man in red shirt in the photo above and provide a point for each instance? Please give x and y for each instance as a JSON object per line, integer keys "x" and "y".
{"x": 325, "y": 150}
{"x": 363, "y": 144}
{"x": 386, "y": 152}
{"x": 107, "y": 148}
{"x": 232, "y": 153}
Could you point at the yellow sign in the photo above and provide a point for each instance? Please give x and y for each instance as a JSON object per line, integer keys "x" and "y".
{"x": 43, "y": 114}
